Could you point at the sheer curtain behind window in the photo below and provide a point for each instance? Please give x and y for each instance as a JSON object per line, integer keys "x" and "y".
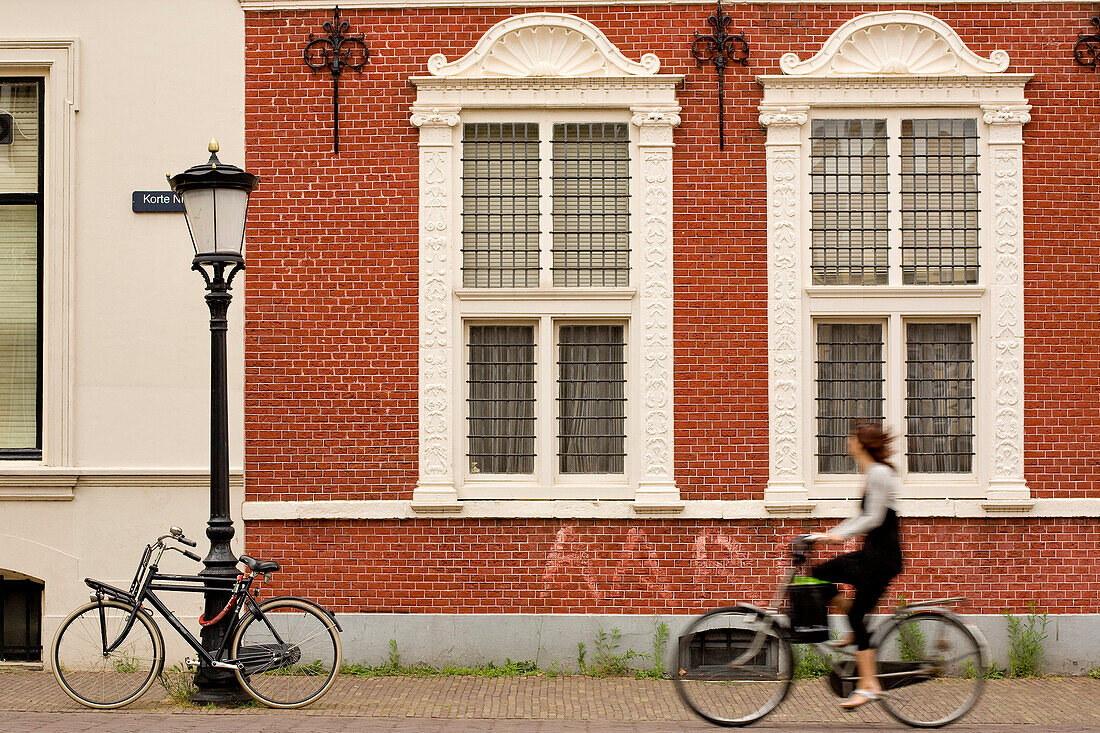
{"x": 591, "y": 399}
{"x": 850, "y": 386}
{"x": 501, "y": 416}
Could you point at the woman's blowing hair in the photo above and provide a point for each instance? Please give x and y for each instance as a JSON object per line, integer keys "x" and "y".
{"x": 875, "y": 439}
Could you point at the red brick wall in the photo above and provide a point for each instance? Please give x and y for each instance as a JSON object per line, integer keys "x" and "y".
{"x": 331, "y": 332}
{"x": 657, "y": 566}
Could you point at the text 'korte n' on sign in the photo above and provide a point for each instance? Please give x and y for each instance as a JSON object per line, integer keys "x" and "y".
{"x": 156, "y": 202}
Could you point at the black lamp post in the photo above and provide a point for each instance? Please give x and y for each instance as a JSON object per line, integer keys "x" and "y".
{"x": 215, "y": 200}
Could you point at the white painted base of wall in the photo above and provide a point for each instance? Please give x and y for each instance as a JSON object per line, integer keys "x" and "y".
{"x": 1072, "y": 645}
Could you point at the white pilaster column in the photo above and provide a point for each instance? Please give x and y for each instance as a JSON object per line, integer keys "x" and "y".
{"x": 1008, "y": 491}
{"x": 786, "y": 492}
{"x": 435, "y": 490}
{"x": 657, "y": 491}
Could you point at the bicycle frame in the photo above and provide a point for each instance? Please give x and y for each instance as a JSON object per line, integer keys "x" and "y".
{"x": 148, "y": 580}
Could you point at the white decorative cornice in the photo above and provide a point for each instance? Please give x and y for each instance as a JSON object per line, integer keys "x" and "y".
{"x": 1010, "y": 114}
{"x": 656, "y": 118}
{"x": 435, "y": 117}
{"x": 894, "y": 42}
{"x": 543, "y": 45}
{"x": 783, "y": 116}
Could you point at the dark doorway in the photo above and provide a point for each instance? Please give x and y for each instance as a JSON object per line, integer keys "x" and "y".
{"x": 20, "y": 619}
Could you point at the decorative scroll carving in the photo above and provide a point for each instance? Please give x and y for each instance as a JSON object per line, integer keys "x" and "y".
{"x": 783, "y": 116}
{"x": 543, "y": 45}
{"x": 1007, "y": 302}
{"x": 436, "y": 368}
{"x": 894, "y": 42}
{"x": 784, "y": 313}
{"x": 1009, "y": 114}
{"x": 656, "y": 293}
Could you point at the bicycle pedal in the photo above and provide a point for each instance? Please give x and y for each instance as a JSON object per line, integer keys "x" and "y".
{"x": 191, "y": 663}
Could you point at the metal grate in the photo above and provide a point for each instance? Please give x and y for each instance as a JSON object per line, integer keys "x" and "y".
{"x": 849, "y": 387}
{"x": 939, "y": 201}
{"x": 939, "y": 398}
{"x": 591, "y": 200}
{"x": 849, "y": 202}
{"x": 500, "y": 205}
{"x": 591, "y": 399}
{"x": 501, "y": 401}
{"x": 20, "y": 621}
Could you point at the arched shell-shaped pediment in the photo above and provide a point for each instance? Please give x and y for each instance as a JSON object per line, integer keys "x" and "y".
{"x": 894, "y": 42}
{"x": 543, "y": 45}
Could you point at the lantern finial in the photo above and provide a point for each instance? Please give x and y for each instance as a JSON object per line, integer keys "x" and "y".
{"x": 213, "y": 146}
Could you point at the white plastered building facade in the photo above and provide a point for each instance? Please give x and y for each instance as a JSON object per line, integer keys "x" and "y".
{"x": 125, "y": 376}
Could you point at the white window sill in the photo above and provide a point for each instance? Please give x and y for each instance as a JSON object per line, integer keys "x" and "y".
{"x": 545, "y": 293}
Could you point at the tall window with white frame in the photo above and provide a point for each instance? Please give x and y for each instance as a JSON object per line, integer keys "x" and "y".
{"x": 895, "y": 203}
{"x": 21, "y": 177}
{"x": 545, "y": 209}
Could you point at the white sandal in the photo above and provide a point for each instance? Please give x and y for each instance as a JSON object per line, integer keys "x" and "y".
{"x": 850, "y": 702}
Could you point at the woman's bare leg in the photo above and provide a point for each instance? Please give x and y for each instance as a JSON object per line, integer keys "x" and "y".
{"x": 865, "y": 664}
{"x": 841, "y": 604}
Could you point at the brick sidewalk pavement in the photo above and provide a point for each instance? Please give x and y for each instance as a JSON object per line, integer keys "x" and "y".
{"x": 563, "y": 703}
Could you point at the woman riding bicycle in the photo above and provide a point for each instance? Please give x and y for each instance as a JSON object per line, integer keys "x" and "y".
{"x": 870, "y": 569}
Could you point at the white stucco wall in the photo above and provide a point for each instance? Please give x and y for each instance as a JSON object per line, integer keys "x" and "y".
{"x": 154, "y": 82}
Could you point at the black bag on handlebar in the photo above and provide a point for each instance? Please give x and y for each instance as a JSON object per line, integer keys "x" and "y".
{"x": 809, "y": 611}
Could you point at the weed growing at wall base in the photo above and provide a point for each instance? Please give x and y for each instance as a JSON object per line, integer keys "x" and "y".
{"x": 1025, "y": 643}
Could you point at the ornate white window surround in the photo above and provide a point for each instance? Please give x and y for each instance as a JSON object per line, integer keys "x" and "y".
{"x": 55, "y": 60}
{"x": 875, "y": 65}
{"x": 549, "y": 64}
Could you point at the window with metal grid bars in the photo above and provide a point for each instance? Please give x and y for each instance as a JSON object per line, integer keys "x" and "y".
{"x": 591, "y": 202}
{"x": 939, "y": 201}
{"x": 21, "y": 220}
{"x": 500, "y": 204}
{"x": 501, "y": 386}
{"x": 849, "y": 202}
{"x": 850, "y": 386}
{"x": 939, "y": 398}
{"x": 591, "y": 399}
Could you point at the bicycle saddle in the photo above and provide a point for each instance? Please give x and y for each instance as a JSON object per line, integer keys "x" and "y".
{"x": 259, "y": 566}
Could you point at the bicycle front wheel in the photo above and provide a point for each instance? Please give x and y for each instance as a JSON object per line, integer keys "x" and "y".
{"x": 97, "y": 678}
{"x": 733, "y": 666}
{"x": 932, "y": 669}
{"x": 289, "y": 654}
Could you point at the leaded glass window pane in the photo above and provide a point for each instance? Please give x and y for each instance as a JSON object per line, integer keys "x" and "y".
{"x": 591, "y": 200}
{"x": 939, "y": 201}
{"x": 500, "y": 205}
{"x": 848, "y": 202}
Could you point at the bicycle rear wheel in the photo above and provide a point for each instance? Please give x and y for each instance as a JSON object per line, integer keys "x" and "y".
{"x": 733, "y": 666}
{"x": 932, "y": 669}
{"x": 290, "y": 654}
{"x": 106, "y": 680}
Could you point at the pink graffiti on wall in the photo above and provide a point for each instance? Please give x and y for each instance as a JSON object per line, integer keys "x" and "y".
{"x": 605, "y": 571}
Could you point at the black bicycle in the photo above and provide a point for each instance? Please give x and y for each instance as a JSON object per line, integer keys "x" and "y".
{"x": 285, "y": 651}
{"x": 735, "y": 665}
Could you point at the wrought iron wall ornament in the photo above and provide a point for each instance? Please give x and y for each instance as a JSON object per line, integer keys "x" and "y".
{"x": 335, "y": 52}
{"x": 1087, "y": 49}
{"x": 720, "y": 48}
